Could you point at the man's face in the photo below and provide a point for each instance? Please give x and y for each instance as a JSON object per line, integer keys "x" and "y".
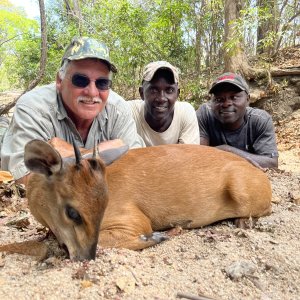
{"x": 160, "y": 95}
{"x": 229, "y": 104}
{"x": 83, "y": 103}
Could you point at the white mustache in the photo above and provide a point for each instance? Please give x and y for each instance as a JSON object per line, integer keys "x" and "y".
{"x": 89, "y": 99}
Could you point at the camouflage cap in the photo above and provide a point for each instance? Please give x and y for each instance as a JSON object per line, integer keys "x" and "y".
{"x": 84, "y": 47}
{"x": 152, "y": 67}
{"x": 235, "y": 79}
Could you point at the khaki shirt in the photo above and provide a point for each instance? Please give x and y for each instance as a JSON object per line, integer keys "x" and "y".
{"x": 40, "y": 114}
{"x": 183, "y": 129}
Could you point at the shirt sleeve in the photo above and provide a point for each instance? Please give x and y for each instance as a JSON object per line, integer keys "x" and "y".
{"x": 265, "y": 139}
{"x": 26, "y": 125}
{"x": 125, "y": 128}
{"x": 189, "y": 133}
{"x": 203, "y": 120}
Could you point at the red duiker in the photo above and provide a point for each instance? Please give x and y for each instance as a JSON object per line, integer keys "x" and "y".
{"x": 125, "y": 198}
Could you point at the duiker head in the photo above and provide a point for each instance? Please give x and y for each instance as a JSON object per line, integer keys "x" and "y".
{"x": 69, "y": 196}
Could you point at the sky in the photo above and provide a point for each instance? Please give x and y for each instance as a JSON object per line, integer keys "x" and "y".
{"x": 31, "y": 7}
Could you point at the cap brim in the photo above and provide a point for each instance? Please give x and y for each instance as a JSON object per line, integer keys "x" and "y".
{"x": 111, "y": 66}
{"x": 149, "y": 76}
{"x": 213, "y": 88}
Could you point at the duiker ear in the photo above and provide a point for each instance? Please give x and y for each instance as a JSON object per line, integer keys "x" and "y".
{"x": 110, "y": 155}
{"x": 42, "y": 158}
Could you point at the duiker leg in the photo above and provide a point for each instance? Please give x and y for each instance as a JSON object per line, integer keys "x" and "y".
{"x": 131, "y": 230}
{"x": 121, "y": 239}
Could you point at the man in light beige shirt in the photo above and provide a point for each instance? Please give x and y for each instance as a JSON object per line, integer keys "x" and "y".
{"x": 159, "y": 117}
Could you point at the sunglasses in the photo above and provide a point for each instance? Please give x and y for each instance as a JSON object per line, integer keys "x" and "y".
{"x": 82, "y": 81}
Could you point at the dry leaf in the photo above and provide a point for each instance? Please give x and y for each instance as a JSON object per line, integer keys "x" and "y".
{"x": 86, "y": 284}
{"x": 5, "y": 176}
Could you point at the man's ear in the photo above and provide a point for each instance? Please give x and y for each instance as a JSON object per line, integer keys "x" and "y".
{"x": 178, "y": 92}
{"x": 141, "y": 91}
{"x": 58, "y": 82}
{"x": 248, "y": 99}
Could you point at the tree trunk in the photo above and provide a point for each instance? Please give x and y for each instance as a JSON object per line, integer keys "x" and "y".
{"x": 235, "y": 60}
{"x": 263, "y": 27}
{"x": 198, "y": 45}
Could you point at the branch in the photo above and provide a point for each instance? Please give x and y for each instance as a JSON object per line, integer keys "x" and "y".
{"x": 284, "y": 28}
{"x": 6, "y": 41}
{"x": 285, "y": 72}
{"x": 283, "y": 7}
{"x": 193, "y": 297}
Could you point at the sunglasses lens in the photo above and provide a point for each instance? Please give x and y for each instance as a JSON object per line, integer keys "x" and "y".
{"x": 103, "y": 84}
{"x": 80, "y": 80}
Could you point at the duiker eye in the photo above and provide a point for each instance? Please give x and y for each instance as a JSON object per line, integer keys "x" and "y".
{"x": 73, "y": 214}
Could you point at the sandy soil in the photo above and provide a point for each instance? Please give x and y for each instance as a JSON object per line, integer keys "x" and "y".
{"x": 216, "y": 262}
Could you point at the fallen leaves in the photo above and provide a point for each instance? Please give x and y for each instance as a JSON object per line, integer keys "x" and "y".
{"x": 86, "y": 284}
{"x": 211, "y": 235}
{"x": 5, "y": 176}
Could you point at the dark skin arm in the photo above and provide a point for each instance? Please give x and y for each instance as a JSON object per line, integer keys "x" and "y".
{"x": 66, "y": 150}
{"x": 260, "y": 161}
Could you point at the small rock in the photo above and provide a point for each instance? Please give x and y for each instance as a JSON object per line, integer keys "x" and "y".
{"x": 295, "y": 196}
{"x": 240, "y": 269}
{"x": 126, "y": 283}
{"x": 3, "y": 214}
{"x": 276, "y": 200}
{"x": 2, "y": 262}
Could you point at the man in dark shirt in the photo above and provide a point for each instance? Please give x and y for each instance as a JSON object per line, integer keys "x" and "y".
{"x": 228, "y": 123}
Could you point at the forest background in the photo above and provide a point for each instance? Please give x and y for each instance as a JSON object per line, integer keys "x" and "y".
{"x": 202, "y": 38}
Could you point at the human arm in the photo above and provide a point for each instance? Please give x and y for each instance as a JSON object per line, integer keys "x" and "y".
{"x": 66, "y": 149}
{"x": 261, "y": 161}
{"x": 257, "y": 160}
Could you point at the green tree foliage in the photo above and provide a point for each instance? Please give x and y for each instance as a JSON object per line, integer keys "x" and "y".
{"x": 19, "y": 47}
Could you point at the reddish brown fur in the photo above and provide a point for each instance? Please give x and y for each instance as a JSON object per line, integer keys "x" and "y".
{"x": 160, "y": 187}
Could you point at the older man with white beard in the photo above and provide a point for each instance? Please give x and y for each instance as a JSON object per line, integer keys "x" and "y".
{"x": 80, "y": 106}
